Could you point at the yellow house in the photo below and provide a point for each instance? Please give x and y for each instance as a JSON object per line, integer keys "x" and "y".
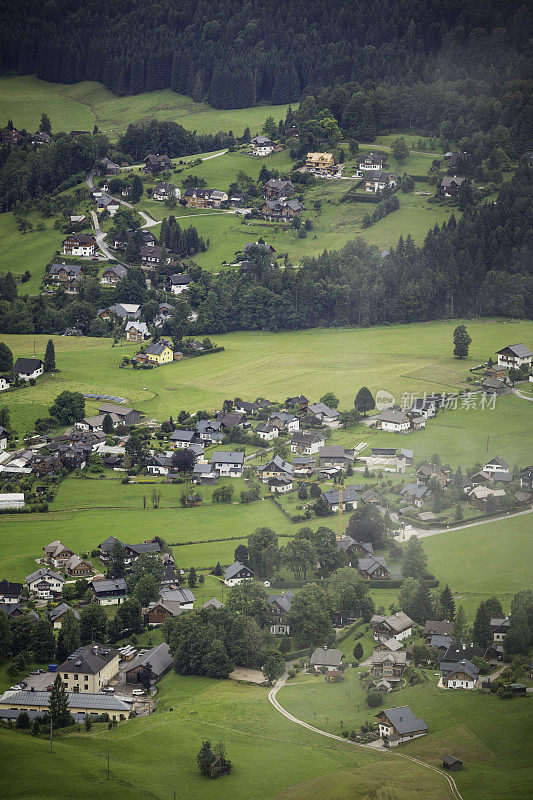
{"x": 160, "y": 352}
{"x": 319, "y": 162}
{"x": 89, "y": 668}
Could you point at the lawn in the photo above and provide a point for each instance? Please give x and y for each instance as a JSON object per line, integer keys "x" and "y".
{"x": 27, "y": 251}
{"x": 483, "y": 731}
{"x": 81, "y": 105}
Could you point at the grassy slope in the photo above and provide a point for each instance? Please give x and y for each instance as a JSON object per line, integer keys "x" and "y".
{"x": 29, "y": 251}
{"x": 481, "y": 730}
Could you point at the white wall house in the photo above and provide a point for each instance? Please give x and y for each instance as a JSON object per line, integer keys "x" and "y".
{"x": 262, "y": 146}
{"x": 4, "y": 383}
{"x": 45, "y": 583}
{"x": 228, "y": 464}
{"x": 496, "y": 466}
{"x": 237, "y": 573}
{"x": 28, "y": 368}
{"x": 394, "y": 421}
{"x": 514, "y": 355}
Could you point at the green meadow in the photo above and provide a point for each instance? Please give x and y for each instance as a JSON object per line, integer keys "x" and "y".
{"x": 27, "y": 251}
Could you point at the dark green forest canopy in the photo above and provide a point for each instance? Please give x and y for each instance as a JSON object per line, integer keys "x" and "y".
{"x": 234, "y": 54}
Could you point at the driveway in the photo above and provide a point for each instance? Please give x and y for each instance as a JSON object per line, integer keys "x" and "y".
{"x": 518, "y": 393}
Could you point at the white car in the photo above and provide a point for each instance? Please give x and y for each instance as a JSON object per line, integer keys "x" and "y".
{"x": 108, "y": 689}
{"x": 16, "y": 688}
{"x": 137, "y": 692}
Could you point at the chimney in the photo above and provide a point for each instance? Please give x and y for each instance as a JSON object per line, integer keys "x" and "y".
{"x": 325, "y": 647}
{"x": 463, "y": 663}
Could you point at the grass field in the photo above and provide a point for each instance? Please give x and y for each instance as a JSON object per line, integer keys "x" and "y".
{"x": 80, "y": 106}
{"x": 29, "y": 251}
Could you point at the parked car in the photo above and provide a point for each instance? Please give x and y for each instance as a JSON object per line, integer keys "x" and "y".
{"x": 138, "y": 692}
{"x": 16, "y": 688}
{"x": 108, "y": 689}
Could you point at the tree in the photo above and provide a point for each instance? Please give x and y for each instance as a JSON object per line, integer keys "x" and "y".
{"x": 459, "y": 625}
{"x": 192, "y": 580}
{"x": 23, "y": 721}
{"x": 364, "y": 402}
{"x": 6, "y": 358}
{"x": 241, "y": 554}
{"x": 249, "y": 599}
{"x": 400, "y": 150}
{"x": 348, "y": 591}
{"x": 218, "y": 571}
{"x": 45, "y": 126}
{"x": 414, "y": 561}
{"x": 309, "y": 617}
{"x": 422, "y": 605}
{"x": 68, "y": 407}
{"x": 302, "y": 491}
{"x": 68, "y": 638}
{"x": 374, "y": 698}
{"x": 49, "y": 357}
{"x": 314, "y": 490}
{"x": 183, "y": 460}
{"x": 43, "y": 641}
{"x": 447, "y": 603}
{"x": 330, "y": 400}
{"x": 6, "y": 637}
{"x": 136, "y": 449}
{"x": 299, "y": 555}
{"x": 217, "y": 663}
{"x": 367, "y": 525}
{"x": 93, "y": 624}
{"x": 481, "y": 631}
{"x": 136, "y": 189}
{"x": 146, "y": 589}
{"x": 107, "y": 424}
{"x": 461, "y": 341}
{"x": 58, "y": 704}
{"x": 263, "y": 551}
{"x": 358, "y": 651}
{"x": 273, "y": 665}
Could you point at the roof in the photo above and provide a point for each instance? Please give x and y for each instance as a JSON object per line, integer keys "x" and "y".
{"x": 279, "y": 463}
{"x": 403, "y": 719}
{"x": 234, "y": 569}
{"x": 81, "y": 238}
{"x": 9, "y": 588}
{"x": 226, "y": 457}
{"x": 27, "y": 364}
{"x": 43, "y": 573}
{"x": 89, "y": 659}
{"x": 398, "y": 622}
{"x": 394, "y": 416}
{"x": 381, "y": 177}
{"x": 158, "y": 657}
{"x": 438, "y": 626}
{"x": 398, "y": 657}
{"x": 57, "y": 612}
{"x": 177, "y": 594}
{"x": 326, "y": 657}
{"x": 117, "y": 269}
{"x": 179, "y": 280}
{"x": 391, "y": 644}
{"x": 440, "y": 640}
{"x": 99, "y": 702}
{"x": 417, "y": 490}
{"x": 371, "y": 563}
{"x": 102, "y": 587}
{"x": 448, "y": 181}
{"x": 450, "y": 760}
{"x": 346, "y": 493}
{"x": 110, "y": 408}
{"x": 157, "y": 348}
{"x": 453, "y": 667}
{"x": 462, "y": 652}
{"x": 72, "y": 269}
{"x": 141, "y": 327}
{"x": 214, "y": 602}
{"x": 322, "y": 408}
{"x": 283, "y": 600}
{"x": 497, "y": 461}
{"x": 182, "y": 436}
{"x": 519, "y": 350}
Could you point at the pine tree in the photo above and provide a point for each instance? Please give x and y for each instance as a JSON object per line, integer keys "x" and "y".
{"x": 68, "y": 638}
{"x": 50, "y": 357}
{"x": 447, "y": 603}
{"x": 364, "y": 402}
{"x": 414, "y": 562}
{"x": 107, "y": 424}
{"x": 481, "y": 631}
{"x": 422, "y": 608}
{"x": 459, "y": 625}
{"x": 191, "y": 578}
{"x": 58, "y": 704}
{"x": 45, "y": 125}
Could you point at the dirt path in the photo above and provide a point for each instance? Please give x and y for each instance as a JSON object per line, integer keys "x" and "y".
{"x": 420, "y": 534}
{"x": 518, "y": 393}
{"x": 455, "y": 793}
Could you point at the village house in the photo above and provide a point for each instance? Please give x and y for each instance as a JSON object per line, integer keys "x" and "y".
{"x": 499, "y": 627}
{"x": 28, "y": 368}
{"x": 262, "y": 146}
{"x": 526, "y": 478}
{"x": 177, "y": 595}
{"x": 397, "y": 626}
{"x": 89, "y": 668}
{"x": 218, "y": 197}
{"x": 37, "y": 704}
{"x": 399, "y": 724}
{"x": 127, "y": 416}
{"x": 39, "y": 138}
{"x": 137, "y": 331}
{"x": 159, "y": 464}
{"x": 437, "y": 627}
{"x": 495, "y": 371}
{"x": 177, "y": 284}
{"x": 378, "y": 181}
{"x": 123, "y": 237}
{"x": 277, "y": 467}
{"x": 131, "y": 551}
{"x": 425, "y": 407}
{"x": 109, "y": 592}
{"x": 243, "y": 407}
{"x": 284, "y": 421}
{"x": 182, "y": 439}
{"x": 159, "y": 352}
{"x": 498, "y": 469}
{"x": 416, "y": 494}
{"x": 205, "y": 475}
{"x": 279, "y": 189}
{"x": 266, "y": 432}
{"x": 96, "y": 423}
{"x": 280, "y": 605}
{"x": 210, "y": 430}
{"x": 344, "y": 495}
{"x": 57, "y": 614}
{"x": 479, "y": 495}
{"x": 155, "y": 163}
{"x": 158, "y": 660}
{"x": 4, "y": 383}
{"x": 389, "y": 665}
{"x": 371, "y": 162}
{"x": 459, "y": 674}
{"x": 165, "y": 191}
{"x": 514, "y": 355}
{"x": 107, "y": 167}
{"x": 326, "y": 657}
{"x": 495, "y": 386}
{"x": 4, "y": 437}
{"x": 371, "y": 497}
{"x": 11, "y": 500}
{"x": 10, "y": 593}
{"x": 198, "y": 198}
{"x": 280, "y": 485}
{"x": 307, "y": 442}
{"x": 373, "y": 568}
{"x": 228, "y": 464}
{"x": 122, "y": 310}
{"x": 323, "y": 413}
{"x": 45, "y": 583}
{"x": 77, "y": 567}
{"x": 237, "y": 573}
{"x": 449, "y": 186}
{"x": 320, "y": 163}
{"x": 335, "y": 455}
{"x": 281, "y": 209}
{"x": 79, "y": 244}
{"x": 107, "y": 203}
{"x": 351, "y": 547}
{"x": 68, "y": 276}
{"x": 112, "y": 275}
{"x": 57, "y": 554}
{"x": 394, "y": 420}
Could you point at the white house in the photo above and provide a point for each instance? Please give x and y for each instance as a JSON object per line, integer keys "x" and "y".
{"x": 307, "y": 442}
{"x": 229, "y": 464}
{"x": 496, "y": 467}
{"x": 165, "y": 190}
{"x": 345, "y": 495}
{"x": 378, "y": 181}
{"x": 4, "y": 383}
{"x": 159, "y": 465}
{"x": 394, "y": 420}
{"x": 284, "y": 421}
{"x": 237, "y": 573}
{"x": 323, "y": 412}
{"x": 262, "y": 146}
{"x": 4, "y": 436}
{"x": 399, "y": 724}
{"x": 28, "y": 368}
{"x": 514, "y": 355}
{"x": 107, "y": 203}
{"x": 177, "y": 284}
{"x": 371, "y": 162}
{"x": 266, "y": 432}
{"x": 79, "y": 244}
{"x": 45, "y": 583}
{"x": 10, "y": 592}
{"x": 459, "y": 674}
{"x": 56, "y": 615}
{"x": 110, "y": 592}
{"x": 280, "y": 485}
{"x": 398, "y": 626}
{"x": 182, "y": 439}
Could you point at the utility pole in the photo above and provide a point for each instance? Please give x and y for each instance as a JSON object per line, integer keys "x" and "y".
{"x": 51, "y": 736}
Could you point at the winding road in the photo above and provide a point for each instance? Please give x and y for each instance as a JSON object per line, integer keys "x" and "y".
{"x": 376, "y": 747}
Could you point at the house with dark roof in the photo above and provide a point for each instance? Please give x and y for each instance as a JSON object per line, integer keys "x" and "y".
{"x": 157, "y": 661}
{"x": 323, "y": 413}
{"x": 56, "y": 615}
{"x": 127, "y": 416}
{"x": 373, "y": 567}
{"x": 371, "y": 162}
{"x": 378, "y": 181}
{"x": 514, "y": 355}
{"x": 113, "y": 274}
{"x": 494, "y": 386}
{"x": 165, "y": 191}
{"x": 437, "y": 627}
{"x": 399, "y": 724}
{"x": 281, "y": 209}
{"x": 45, "y": 583}
{"x": 397, "y": 626}
{"x": 68, "y": 276}
{"x": 136, "y": 331}
{"x": 277, "y": 467}
{"x": 159, "y": 464}
{"x": 345, "y": 495}
{"x": 280, "y": 189}
{"x": 262, "y": 146}
{"x": 237, "y": 573}
{"x": 80, "y": 705}
{"x": 498, "y": 469}
{"x": 351, "y": 547}
{"x": 155, "y": 163}
{"x": 89, "y": 668}
{"x": 177, "y": 284}
{"x": 416, "y": 493}
{"x": 280, "y": 605}
{"x": 228, "y": 464}
{"x": 499, "y": 627}
{"x": 326, "y": 657}
{"x": 451, "y": 763}
{"x": 28, "y": 368}
{"x": 109, "y": 592}
{"x": 284, "y": 421}
{"x": 182, "y": 439}
{"x": 147, "y": 238}
{"x": 307, "y": 442}
{"x": 459, "y": 674}
{"x": 79, "y": 244}
{"x": 160, "y": 353}
{"x": 449, "y": 185}
{"x": 10, "y": 592}
{"x": 335, "y": 456}
{"x": 388, "y": 664}
{"x": 394, "y": 420}
{"x": 266, "y": 432}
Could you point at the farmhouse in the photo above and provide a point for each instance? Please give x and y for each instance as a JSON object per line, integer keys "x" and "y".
{"x": 451, "y": 763}
{"x": 57, "y": 554}
{"x": 284, "y": 421}
{"x": 371, "y": 162}
{"x": 299, "y": 401}
{"x": 80, "y": 705}
{"x": 122, "y": 310}
{"x": 159, "y": 352}
{"x": 159, "y": 464}
{"x": 10, "y": 592}
{"x": 373, "y": 567}
{"x": 55, "y": 615}
{"x": 228, "y": 464}
{"x": 398, "y": 626}
{"x": 320, "y": 163}
{"x": 183, "y": 439}
{"x": 112, "y": 275}
{"x": 495, "y": 386}
{"x": 198, "y": 198}
{"x": 127, "y": 416}
{"x": 89, "y": 668}
{"x": 335, "y": 455}
{"x": 132, "y": 551}
{"x": 514, "y": 355}
{"x": 399, "y": 724}
{"x": 416, "y": 493}
{"x": 345, "y": 495}
{"x": 136, "y": 331}
{"x": 277, "y": 467}
{"x": 281, "y": 209}
{"x": 44, "y": 583}
{"x": 165, "y": 191}
{"x": 210, "y": 430}
{"x": 107, "y": 203}
{"x": 28, "y": 368}
{"x": 237, "y": 573}
{"x": 110, "y": 592}
{"x": 66, "y": 275}
{"x": 156, "y": 163}
{"x": 350, "y": 546}
{"x": 262, "y": 146}
{"x": 95, "y": 423}
{"x": 394, "y": 420}
{"x": 437, "y": 627}
{"x": 449, "y": 186}
{"x": 459, "y": 674}
{"x": 157, "y": 661}
{"x": 177, "y": 284}
{"x": 179, "y": 597}
{"x": 151, "y": 255}
{"x": 279, "y": 189}
{"x": 323, "y": 413}
{"x": 307, "y": 442}
{"x": 205, "y": 475}
{"x": 79, "y": 244}
{"x": 499, "y": 628}
{"x": 123, "y": 237}
{"x": 77, "y": 567}
{"x": 326, "y": 657}
{"x": 377, "y": 181}
{"x": 280, "y": 607}
{"x": 266, "y": 432}
{"x": 498, "y": 469}
{"x": 388, "y": 664}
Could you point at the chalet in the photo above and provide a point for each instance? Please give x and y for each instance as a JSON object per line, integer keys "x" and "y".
{"x": 228, "y": 464}
{"x": 28, "y": 368}
{"x": 320, "y": 163}
{"x": 323, "y": 413}
{"x": 122, "y": 238}
{"x": 67, "y": 276}
{"x": 398, "y": 626}
{"x": 280, "y": 189}
{"x": 460, "y": 652}
{"x": 416, "y": 493}
{"x": 131, "y": 551}
{"x": 425, "y": 407}
{"x": 44, "y": 583}
{"x": 205, "y": 475}
{"x": 89, "y": 668}
{"x": 107, "y": 167}
{"x": 307, "y": 442}
{"x": 122, "y": 310}
{"x": 479, "y": 495}
{"x": 79, "y": 244}
{"x": 373, "y": 568}
{"x": 389, "y": 665}
{"x": 41, "y": 138}
{"x": 263, "y": 245}
{"x": 335, "y": 455}
{"x": 526, "y": 478}
{"x": 284, "y": 421}
{"x": 388, "y": 645}
{"x": 459, "y": 674}
{"x": 280, "y": 605}
{"x": 371, "y": 162}
{"x": 514, "y": 355}
{"x": 303, "y": 465}
{"x": 394, "y": 420}
{"x": 127, "y": 416}
{"x": 10, "y": 593}
{"x": 266, "y": 432}
{"x": 493, "y": 386}
{"x": 56, "y": 554}
{"x": 262, "y": 146}
{"x": 449, "y": 186}
{"x": 107, "y": 203}
{"x": 243, "y": 407}
{"x": 399, "y": 724}
{"x": 136, "y": 331}
{"x": 154, "y": 164}
{"x": 159, "y": 464}
{"x": 157, "y": 661}
{"x": 280, "y": 485}
{"x": 165, "y": 191}
{"x": 344, "y": 495}
{"x": 499, "y": 628}
{"x": 497, "y": 468}
{"x": 159, "y": 352}
{"x": 57, "y": 614}
{"x": 371, "y": 497}
{"x": 151, "y": 255}
{"x": 326, "y": 657}
{"x": 198, "y": 198}
{"x": 218, "y": 197}
{"x": 110, "y": 592}
{"x": 214, "y": 602}
{"x": 232, "y": 419}
{"x": 437, "y": 627}
{"x": 112, "y": 275}
{"x": 182, "y": 439}
{"x": 210, "y": 430}
{"x": 177, "y": 595}
{"x": 237, "y": 573}
{"x": 495, "y": 371}
{"x": 281, "y": 209}
{"x": 78, "y": 567}
{"x": 351, "y": 547}
{"x": 277, "y": 467}
{"x": 378, "y": 181}
{"x": 177, "y": 284}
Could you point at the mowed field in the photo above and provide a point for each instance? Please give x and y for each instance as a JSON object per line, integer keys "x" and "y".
{"x": 27, "y": 251}
{"x": 80, "y": 106}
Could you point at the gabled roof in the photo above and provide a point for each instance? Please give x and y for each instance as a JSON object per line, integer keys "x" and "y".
{"x": 234, "y": 569}
{"x": 441, "y": 640}
{"x": 10, "y": 589}
{"x": 323, "y": 409}
{"x": 497, "y": 461}
{"x": 283, "y": 600}
{"x": 212, "y": 603}
{"x": 71, "y": 269}
{"x": 27, "y": 365}
{"x": 103, "y": 587}
{"x": 159, "y": 659}
{"x": 403, "y": 719}
{"x": 438, "y": 627}
{"x": 345, "y": 493}
{"x": 398, "y": 622}
{"x": 326, "y": 657}
{"x": 396, "y": 657}
{"x": 44, "y": 572}
{"x": 371, "y": 564}
{"x": 89, "y": 659}
{"x": 450, "y": 668}
{"x": 57, "y": 612}
{"x": 157, "y": 348}
{"x": 394, "y": 416}
{"x": 277, "y": 462}
{"x": 225, "y": 457}
{"x": 83, "y": 700}
{"x": 417, "y": 490}
{"x": 182, "y": 436}
{"x": 519, "y": 350}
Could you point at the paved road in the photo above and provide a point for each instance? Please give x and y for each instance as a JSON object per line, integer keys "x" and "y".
{"x": 518, "y": 393}
{"x": 376, "y": 747}
{"x": 99, "y": 235}
{"x": 420, "y": 534}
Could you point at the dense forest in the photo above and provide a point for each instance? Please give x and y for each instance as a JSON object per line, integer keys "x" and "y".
{"x": 234, "y": 54}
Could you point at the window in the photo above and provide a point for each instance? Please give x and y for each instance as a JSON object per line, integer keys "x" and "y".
{"x": 66, "y": 676}
{"x": 75, "y": 677}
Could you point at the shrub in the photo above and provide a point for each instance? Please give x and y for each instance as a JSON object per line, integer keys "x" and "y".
{"x": 293, "y": 673}
{"x": 374, "y": 698}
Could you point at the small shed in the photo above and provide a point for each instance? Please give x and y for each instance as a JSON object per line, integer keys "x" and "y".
{"x": 451, "y": 763}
